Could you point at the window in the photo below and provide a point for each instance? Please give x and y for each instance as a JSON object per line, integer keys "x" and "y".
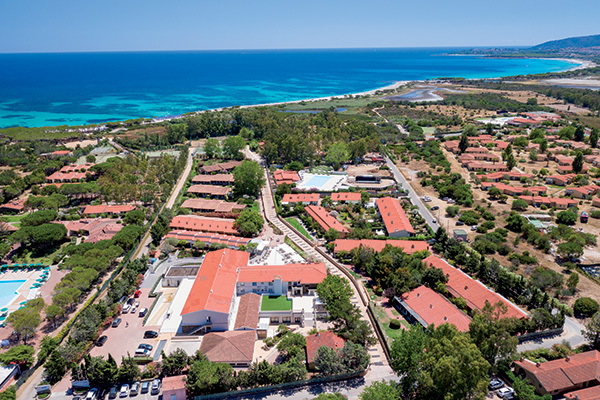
{"x": 297, "y": 320}
{"x": 242, "y": 290}
{"x": 270, "y": 283}
{"x": 286, "y": 320}
{"x": 243, "y": 283}
{"x": 173, "y": 396}
{"x": 253, "y": 283}
{"x": 274, "y": 320}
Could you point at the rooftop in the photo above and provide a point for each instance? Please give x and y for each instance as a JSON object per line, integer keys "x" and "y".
{"x": 318, "y": 340}
{"x": 247, "y": 314}
{"x": 393, "y": 215}
{"x": 276, "y": 303}
{"x": 229, "y": 347}
{"x": 303, "y": 273}
{"x": 205, "y": 224}
{"x": 324, "y": 219}
{"x": 408, "y": 246}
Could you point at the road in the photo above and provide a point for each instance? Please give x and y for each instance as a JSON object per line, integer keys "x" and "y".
{"x": 414, "y": 198}
{"x": 572, "y": 333}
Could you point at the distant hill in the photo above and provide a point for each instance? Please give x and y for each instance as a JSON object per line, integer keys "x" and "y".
{"x": 569, "y": 43}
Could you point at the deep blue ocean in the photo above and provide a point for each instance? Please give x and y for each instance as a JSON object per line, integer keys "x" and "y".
{"x": 81, "y": 88}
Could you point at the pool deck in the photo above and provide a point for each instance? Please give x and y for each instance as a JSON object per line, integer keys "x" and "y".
{"x": 25, "y": 292}
{"x": 334, "y": 183}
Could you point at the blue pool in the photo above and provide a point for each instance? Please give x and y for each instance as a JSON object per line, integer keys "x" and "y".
{"x": 317, "y": 181}
{"x": 8, "y": 290}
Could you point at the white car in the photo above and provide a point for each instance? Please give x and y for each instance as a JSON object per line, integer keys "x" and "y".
{"x": 505, "y": 392}
{"x": 126, "y": 308}
{"x": 124, "y": 392}
{"x": 92, "y": 394}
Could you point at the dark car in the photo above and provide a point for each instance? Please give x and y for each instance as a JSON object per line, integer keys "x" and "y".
{"x": 130, "y": 301}
{"x": 112, "y": 394}
{"x": 145, "y": 387}
{"x": 145, "y": 346}
{"x": 116, "y": 322}
{"x": 459, "y": 223}
{"x": 435, "y": 208}
{"x": 150, "y": 334}
{"x": 495, "y": 384}
{"x": 143, "y": 312}
{"x": 101, "y": 340}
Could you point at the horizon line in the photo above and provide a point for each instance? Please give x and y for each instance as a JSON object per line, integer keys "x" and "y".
{"x": 264, "y": 49}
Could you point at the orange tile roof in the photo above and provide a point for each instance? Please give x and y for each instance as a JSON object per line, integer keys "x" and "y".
{"x": 213, "y": 179}
{"x": 566, "y": 372}
{"x": 346, "y": 196}
{"x": 231, "y": 347}
{"x": 591, "y": 393}
{"x": 300, "y": 197}
{"x": 111, "y": 209}
{"x": 204, "y": 224}
{"x": 210, "y": 190}
{"x": 288, "y": 177}
{"x": 214, "y": 285}
{"x": 248, "y": 309}
{"x": 173, "y": 383}
{"x": 408, "y": 246}
{"x": 393, "y": 216}
{"x": 433, "y": 308}
{"x": 212, "y": 205}
{"x": 303, "y": 273}
{"x": 324, "y": 219}
{"x": 474, "y": 292}
{"x": 318, "y": 340}
{"x": 66, "y": 176}
{"x": 207, "y": 237}
{"x": 61, "y": 152}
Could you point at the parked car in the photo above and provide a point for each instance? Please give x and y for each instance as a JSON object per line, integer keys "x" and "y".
{"x": 450, "y": 201}
{"x": 137, "y": 304}
{"x": 505, "y": 392}
{"x": 145, "y": 387}
{"x": 145, "y": 346}
{"x": 435, "y": 208}
{"x": 155, "y": 386}
{"x": 434, "y": 221}
{"x": 116, "y": 322}
{"x": 459, "y": 223}
{"x": 135, "y": 389}
{"x": 134, "y": 310}
{"x": 126, "y": 308}
{"x": 495, "y": 384}
{"x": 124, "y": 392}
{"x": 92, "y": 394}
{"x": 142, "y": 353}
{"x": 101, "y": 340}
{"x": 113, "y": 392}
{"x": 143, "y": 312}
{"x": 130, "y": 301}
{"x": 137, "y": 293}
{"x": 474, "y": 227}
{"x": 150, "y": 334}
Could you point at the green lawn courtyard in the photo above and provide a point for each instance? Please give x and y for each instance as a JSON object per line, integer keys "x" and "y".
{"x": 293, "y": 221}
{"x": 275, "y": 303}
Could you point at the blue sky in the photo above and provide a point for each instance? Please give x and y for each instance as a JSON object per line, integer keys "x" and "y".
{"x": 122, "y": 25}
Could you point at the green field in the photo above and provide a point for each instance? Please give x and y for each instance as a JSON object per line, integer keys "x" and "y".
{"x": 275, "y": 303}
{"x": 299, "y": 227}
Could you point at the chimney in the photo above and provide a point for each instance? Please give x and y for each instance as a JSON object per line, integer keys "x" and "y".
{"x": 567, "y": 358}
{"x": 538, "y": 364}
{"x": 418, "y": 294}
{"x": 431, "y": 306}
{"x": 466, "y": 287}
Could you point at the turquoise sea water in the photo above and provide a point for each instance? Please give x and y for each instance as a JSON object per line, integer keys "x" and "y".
{"x": 8, "y": 290}
{"x": 82, "y": 88}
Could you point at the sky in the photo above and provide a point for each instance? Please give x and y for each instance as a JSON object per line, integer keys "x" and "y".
{"x": 148, "y": 25}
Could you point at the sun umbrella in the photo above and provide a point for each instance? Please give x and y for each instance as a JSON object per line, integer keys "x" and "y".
{"x": 2, "y": 318}
{"x": 4, "y": 265}
{"x": 38, "y": 264}
{"x": 3, "y": 309}
{"x": 39, "y": 280}
{"x": 23, "y": 302}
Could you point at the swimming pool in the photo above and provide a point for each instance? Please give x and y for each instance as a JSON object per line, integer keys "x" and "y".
{"x": 8, "y": 291}
{"x": 317, "y": 181}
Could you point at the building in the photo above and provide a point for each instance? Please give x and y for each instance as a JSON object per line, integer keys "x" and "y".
{"x": 394, "y": 218}
{"x": 116, "y": 209}
{"x": 216, "y": 179}
{"x": 424, "y": 306}
{"x": 285, "y": 177}
{"x": 176, "y": 274}
{"x": 57, "y": 154}
{"x": 219, "y": 168}
{"x": 288, "y": 280}
{"x": 215, "y": 192}
{"x": 408, "y": 246}
{"x": 203, "y": 224}
{"x": 13, "y": 206}
{"x": 560, "y": 180}
{"x": 235, "y": 348}
{"x": 326, "y": 221}
{"x": 212, "y": 206}
{"x": 509, "y": 175}
{"x": 66, "y": 177}
{"x": 209, "y": 304}
{"x": 346, "y": 197}
{"x": 318, "y": 340}
{"x": 247, "y": 313}
{"x": 96, "y": 229}
{"x": 304, "y": 198}
{"x": 558, "y": 203}
{"x": 460, "y": 234}
{"x": 510, "y": 190}
{"x": 564, "y": 376}
{"x": 173, "y": 388}
{"x": 583, "y": 191}
{"x": 233, "y": 242}
{"x": 484, "y": 166}
{"x": 475, "y": 293}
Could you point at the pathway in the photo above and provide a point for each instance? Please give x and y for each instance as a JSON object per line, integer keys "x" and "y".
{"x": 572, "y": 333}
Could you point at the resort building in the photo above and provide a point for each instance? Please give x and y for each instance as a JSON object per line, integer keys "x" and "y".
{"x": 173, "y": 387}
{"x": 510, "y": 190}
{"x": 215, "y": 180}
{"x": 558, "y": 203}
{"x": 472, "y": 291}
{"x": 576, "y": 376}
{"x": 219, "y": 168}
{"x": 316, "y": 341}
{"x": 203, "y": 224}
{"x": 276, "y": 280}
{"x": 116, "y": 209}
{"x": 408, "y": 246}
{"x": 212, "y": 206}
{"x": 215, "y": 192}
{"x": 425, "y": 307}
{"x": 233, "y": 242}
{"x": 96, "y": 229}
{"x": 346, "y": 197}
{"x": 247, "y": 313}
{"x": 287, "y": 177}
{"x": 560, "y": 180}
{"x": 394, "y": 218}
{"x": 235, "y": 348}
{"x": 304, "y": 198}
{"x": 484, "y": 166}
{"x": 583, "y": 191}
{"x": 326, "y": 221}
{"x": 509, "y": 175}
{"x": 176, "y": 274}
{"x": 13, "y": 206}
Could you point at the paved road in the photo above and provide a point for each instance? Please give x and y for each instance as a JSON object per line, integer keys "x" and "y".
{"x": 414, "y": 198}
{"x": 572, "y": 334}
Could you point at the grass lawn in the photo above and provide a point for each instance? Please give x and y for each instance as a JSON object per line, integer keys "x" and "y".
{"x": 275, "y": 303}
{"x": 13, "y": 218}
{"x": 384, "y": 321}
{"x": 296, "y": 224}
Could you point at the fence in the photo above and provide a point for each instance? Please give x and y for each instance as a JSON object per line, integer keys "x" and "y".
{"x": 282, "y": 386}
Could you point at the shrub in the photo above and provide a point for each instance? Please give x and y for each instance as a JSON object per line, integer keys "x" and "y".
{"x": 585, "y": 307}
{"x": 595, "y": 214}
{"x": 395, "y": 324}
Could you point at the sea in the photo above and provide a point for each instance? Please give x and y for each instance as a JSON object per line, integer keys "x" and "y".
{"x": 50, "y": 89}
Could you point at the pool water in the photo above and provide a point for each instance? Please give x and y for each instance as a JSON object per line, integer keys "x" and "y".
{"x": 317, "y": 181}
{"x": 8, "y": 290}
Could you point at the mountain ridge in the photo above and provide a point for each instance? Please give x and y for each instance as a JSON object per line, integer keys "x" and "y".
{"x": 568, "y": 43}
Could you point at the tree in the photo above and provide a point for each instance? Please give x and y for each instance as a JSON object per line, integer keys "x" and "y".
{"x": 328, "y": 362}
{"x": 55, "y": 367}
{"x": 206, "y": 377}
{"x": 174, "y": 363}
{"x": 331, "y": 396}
{"x": 533, "y": 154}
{"x": 21, "y": 354}
{"x": 39, "y": 217}
{"x": 292, "y": 345}
{"x": 337, "y": 154}
{"x": 592, "y": 330}
{"x": 585, "y": 307}
{"x": 128, "y": 236}
{"x": 249, "y": 223}
{"x": 129, "y": 370}
{"x": 519, "y": 205}
{"x": 212, "y": 148}
{"x": 594, "y": 138}
{"x": 494, "y": 193}
{"x": 336, "y": 292}
{"x": 11, "y": 393}
{"x": 232, "y": 147}
{"x": 578, "y": 162}
{"x": 248, "y": 179}
{"x": 135, "y": 217}
{"x": 514, "y": 222}
{"x": 331, "y": 235}
{"x": 511, "y": 162}
{"x": 579, "y": 134}
{"x": 25, "y": 322}
{"x": 463, "y": 144}
{"x": 570, "y": 250}
{"x": 381, "y": 391}
{"x": 566, "y": 217}
{"x": 354, "y": 357}
{"x": 406, "y": 354}
{"x": 573, "y": 280}
{"x": 543, "y": 146}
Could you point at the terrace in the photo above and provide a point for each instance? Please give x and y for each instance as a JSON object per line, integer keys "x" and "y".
{"x": 276, "y": 303}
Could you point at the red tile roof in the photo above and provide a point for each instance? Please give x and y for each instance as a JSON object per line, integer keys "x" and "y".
{"x": 97, "y": 229}
{"x": 393, "y": 216}
{"x": 325, "y": 220}
{"x": 213, "y": 179}
{"x": 300, "y": 197}
{"x": 318, "y": 340}
{"x": 346, "y": 196}
{"x": 433, "y": 308}
{"x": 76, "y": 167}
{"x": 214, "y": 285}
{"x": 566, "y": 372}
{"x": 207, "y": 237}
{"x": 247, "y": 314}
{"x": 591, "y": 393}
{"x": 212, "y": 205}
{"x": 204, "y": 224}
{"x": 6, "y": 227}
{"x": 110, "y": 209}
{"x": 474, "y": 292}
{"x": 210, "y": 190}
{"x": 408, "y": 246}
{"x": 173, "y": 383}
{"x": 303, "y": 273}
{"x": 288, "y": 177}
{"x": 61, "y": 152}
{"x": 231, "y": 347}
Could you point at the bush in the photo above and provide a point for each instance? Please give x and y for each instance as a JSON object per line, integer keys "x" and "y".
{"x": 595, "y": 214}
{"x": 585, "y": 307}
{"x": 395, "y": 324}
